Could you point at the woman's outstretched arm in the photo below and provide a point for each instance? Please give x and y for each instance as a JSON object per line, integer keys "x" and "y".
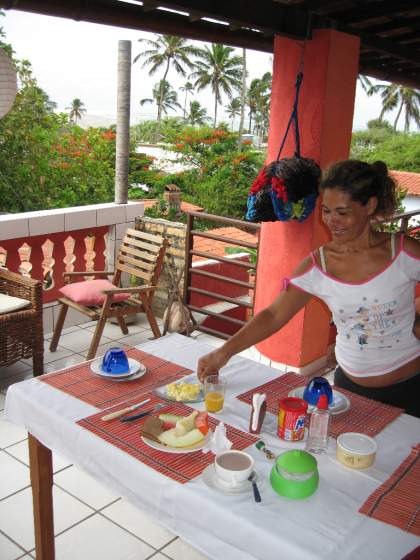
{"x": 264, "y": 324}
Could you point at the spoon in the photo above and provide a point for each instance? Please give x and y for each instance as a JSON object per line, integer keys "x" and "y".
{"x": 253, "y": 480}
{"x": 141, "y": 414}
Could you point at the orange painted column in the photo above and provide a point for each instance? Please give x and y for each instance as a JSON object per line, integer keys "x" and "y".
{"x": 326, "y": 114}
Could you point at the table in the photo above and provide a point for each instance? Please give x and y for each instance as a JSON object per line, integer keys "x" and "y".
{"x": 327, "y": 525}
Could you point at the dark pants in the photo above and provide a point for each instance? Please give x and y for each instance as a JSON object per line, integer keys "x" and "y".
{"x": 405, "y": 394}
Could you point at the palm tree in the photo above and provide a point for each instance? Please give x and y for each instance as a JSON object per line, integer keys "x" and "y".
{"x": 217, "y": 68}
{"x": 258, "y": 100}
{"x": 197, "y": 114}
{"x": 76, "y": 110}
{"x": 234, "y": 109}
{"x": 393, "y": 96}
{"x": 243, "y": 98}
{"x": 364, "y": 82}
{"x": 164, "y": 95}
{"x": 165, "y": 51}
{"x": 187, "y": 87}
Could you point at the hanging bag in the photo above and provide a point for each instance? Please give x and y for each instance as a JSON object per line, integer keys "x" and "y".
{"x": 285, "y": 189}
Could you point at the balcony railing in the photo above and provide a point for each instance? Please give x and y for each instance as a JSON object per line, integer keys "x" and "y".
{"x": 45, "y": 244}
{"x": 402, "y": 222}
{"x": 219, "y": 287}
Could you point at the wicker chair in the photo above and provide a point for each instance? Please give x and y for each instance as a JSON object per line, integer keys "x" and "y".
{"x": 21, "y": 331}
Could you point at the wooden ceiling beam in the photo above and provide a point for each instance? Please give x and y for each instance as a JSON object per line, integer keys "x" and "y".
{"x": 130, "y": 16}
{"x": 393, "y": 24}
{"x": 270, "y": 18}
{"x": 389, "y": 8}
{"x": 404, "y": 78}
{"x": 380, "y": 44}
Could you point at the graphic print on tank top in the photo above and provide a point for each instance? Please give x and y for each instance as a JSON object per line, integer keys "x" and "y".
{"x": 370, "y": 324}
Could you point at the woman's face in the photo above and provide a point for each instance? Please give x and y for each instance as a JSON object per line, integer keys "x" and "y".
{"x": 345, "y": 218}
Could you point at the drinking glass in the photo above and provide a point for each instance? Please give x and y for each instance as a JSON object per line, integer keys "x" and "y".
{"x": 214, "y": 393}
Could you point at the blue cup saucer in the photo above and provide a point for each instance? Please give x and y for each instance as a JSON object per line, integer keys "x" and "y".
{"x": 316, "y": 387}
{"x": 115, "y": 362}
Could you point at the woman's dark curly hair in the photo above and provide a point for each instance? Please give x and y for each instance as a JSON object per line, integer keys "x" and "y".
{"x": 362, "y": 181}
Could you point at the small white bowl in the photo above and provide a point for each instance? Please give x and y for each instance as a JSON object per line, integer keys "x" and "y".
{"x": 355, "y": 450}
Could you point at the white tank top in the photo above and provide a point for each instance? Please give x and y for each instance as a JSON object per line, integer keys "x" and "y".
{"x": 374, "y": 318}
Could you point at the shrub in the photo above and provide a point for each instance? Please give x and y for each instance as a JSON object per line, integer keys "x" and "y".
{"x": 219, "y": 174}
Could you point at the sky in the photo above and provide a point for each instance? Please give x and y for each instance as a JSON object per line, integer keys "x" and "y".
{"x": 76, "y": 59}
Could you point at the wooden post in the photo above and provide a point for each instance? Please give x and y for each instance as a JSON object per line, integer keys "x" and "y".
{"x": 123, "y": 122}
{"x": 40, "y": 462}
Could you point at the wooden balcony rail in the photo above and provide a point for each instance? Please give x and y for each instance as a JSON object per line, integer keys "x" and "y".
{"x": 403, "y": 219}
{"x": 224, "y": 291}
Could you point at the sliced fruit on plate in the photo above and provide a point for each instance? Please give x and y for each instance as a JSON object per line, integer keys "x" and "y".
{"x": 186, "y": 424}
{"x": 170, "y": 417}
{"x": 169, "y": 420}
{"x": 189, "y": 439}
{"x": 202, "y": 422}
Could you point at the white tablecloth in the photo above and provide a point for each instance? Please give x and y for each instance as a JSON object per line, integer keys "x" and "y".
{"x": 325, "y": 526}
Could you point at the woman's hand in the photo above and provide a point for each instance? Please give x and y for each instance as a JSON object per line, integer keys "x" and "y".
{"x": 211, "y": 363}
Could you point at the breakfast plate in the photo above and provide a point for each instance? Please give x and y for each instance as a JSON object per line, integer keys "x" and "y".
{"x": 339, "y": 405}
{"x": 160, "y": 447}
{"x": 214, "y": 482}
{"x": 137, "y": 370}
{"x": 191, "y": 381}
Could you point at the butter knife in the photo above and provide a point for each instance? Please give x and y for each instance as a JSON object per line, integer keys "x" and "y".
{"x": 123, "y": 411}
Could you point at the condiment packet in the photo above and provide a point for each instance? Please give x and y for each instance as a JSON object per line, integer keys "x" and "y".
{"x": 218, "y": 442}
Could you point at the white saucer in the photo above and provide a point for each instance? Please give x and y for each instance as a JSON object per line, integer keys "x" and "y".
{"x": 339, "y": 405}
{"x": 137, "y": 369}
{"x": 215, "y": 483}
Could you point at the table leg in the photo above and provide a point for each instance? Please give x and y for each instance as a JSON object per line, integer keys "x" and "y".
{"x": 40, "y": 461}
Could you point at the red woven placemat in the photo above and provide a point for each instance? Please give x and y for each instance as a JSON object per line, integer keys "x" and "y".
{"x": 181, "y": 467}
{"x": 397, "y": 500}
{"x": 364, "y": 415}
{"x": 80, "y": 382}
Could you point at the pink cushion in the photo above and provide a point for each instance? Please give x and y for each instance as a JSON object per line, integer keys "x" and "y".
{"x": 89, "y": 292}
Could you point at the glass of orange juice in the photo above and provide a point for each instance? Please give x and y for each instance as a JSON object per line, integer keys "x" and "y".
{"x": 214, "y": 393}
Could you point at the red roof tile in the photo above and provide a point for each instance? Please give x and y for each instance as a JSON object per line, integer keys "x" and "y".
{"x": 185, "y": 206}
{"x": 218, "y": 247}
{"x": 408, "y": 181}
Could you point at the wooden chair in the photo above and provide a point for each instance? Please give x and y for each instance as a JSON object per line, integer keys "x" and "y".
{"x": 141, "y": 256}
{"x": 21, "y": 331}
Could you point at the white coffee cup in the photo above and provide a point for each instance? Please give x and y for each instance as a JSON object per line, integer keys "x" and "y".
{"x": 233, "y": 467}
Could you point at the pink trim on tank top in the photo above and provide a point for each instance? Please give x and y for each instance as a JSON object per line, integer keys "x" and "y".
{"x": 401, "y": 249}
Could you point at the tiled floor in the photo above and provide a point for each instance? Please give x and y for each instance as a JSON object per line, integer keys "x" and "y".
{"x": 91, "y": 523}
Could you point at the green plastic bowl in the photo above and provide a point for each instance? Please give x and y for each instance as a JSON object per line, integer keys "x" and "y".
{"x": 295, "y": 474}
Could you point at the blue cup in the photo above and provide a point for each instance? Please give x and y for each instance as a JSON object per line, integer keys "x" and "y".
{"x": 115, "y": 361}
{"x": 316, "y": 387}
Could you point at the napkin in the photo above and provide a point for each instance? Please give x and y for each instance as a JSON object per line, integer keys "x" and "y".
{"x": 218, "y": 442}
{"x": 259, "y": 407}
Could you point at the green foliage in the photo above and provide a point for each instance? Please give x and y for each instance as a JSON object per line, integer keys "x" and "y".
{"x": 253, "y": 253}
{"x": 219, "y": 174}
{"x": 374, "y": 124}
{"x": 170, "y": 127}
{"x": 398, "y": 150}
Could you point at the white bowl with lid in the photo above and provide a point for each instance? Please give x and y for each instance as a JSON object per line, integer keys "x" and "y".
{"x": 355, "y": 450}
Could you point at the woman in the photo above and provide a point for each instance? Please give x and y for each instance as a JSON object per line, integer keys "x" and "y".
{"x": 367, "y": 278}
